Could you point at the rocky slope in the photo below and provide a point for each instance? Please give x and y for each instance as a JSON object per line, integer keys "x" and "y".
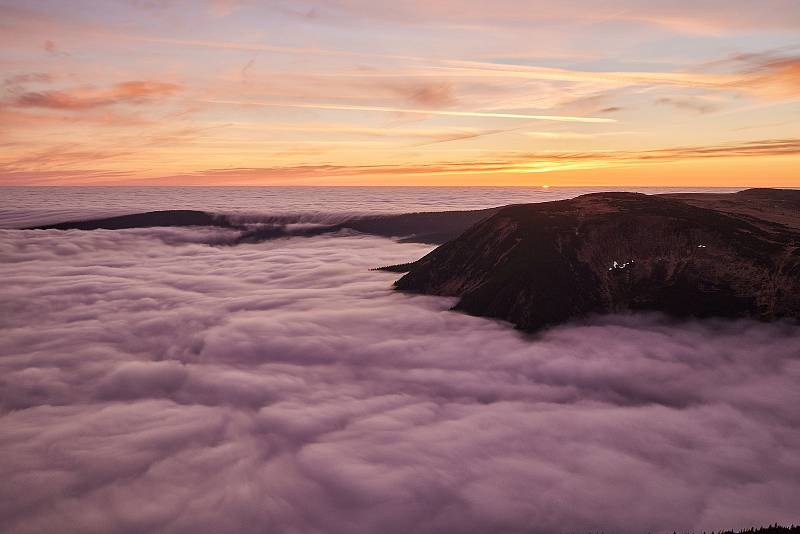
{"x": 728, "y": 255}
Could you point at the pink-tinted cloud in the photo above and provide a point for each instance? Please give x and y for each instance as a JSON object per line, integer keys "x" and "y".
{"x": 285, "y": 387}
{"x": 52, "y": 48}
{"x": 773, "y": 74}
{"x": 131, "y": 92}
{"x": 696, "y": 105}
{"x": 19, "y": 80}
{"x": 223, "y": 8}
{"x": 433, "y": 95}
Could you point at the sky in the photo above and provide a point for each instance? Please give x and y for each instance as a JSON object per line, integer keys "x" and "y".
{"x": 408, "y": 92}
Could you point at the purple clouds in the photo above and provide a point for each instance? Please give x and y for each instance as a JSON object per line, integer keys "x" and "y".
{"x": 149, "y": 382}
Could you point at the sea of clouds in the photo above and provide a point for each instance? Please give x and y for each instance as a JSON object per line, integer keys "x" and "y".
{"x": 150, "y": 382}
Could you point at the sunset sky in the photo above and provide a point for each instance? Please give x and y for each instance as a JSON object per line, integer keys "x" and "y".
{"x": 358, "y": 92}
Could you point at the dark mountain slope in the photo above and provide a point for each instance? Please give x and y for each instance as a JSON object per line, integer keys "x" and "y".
{"x": 540, "y": 264}
{"x": 426, "y": 227}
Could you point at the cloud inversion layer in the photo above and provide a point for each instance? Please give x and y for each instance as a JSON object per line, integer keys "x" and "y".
{"x": 153, "y": 383}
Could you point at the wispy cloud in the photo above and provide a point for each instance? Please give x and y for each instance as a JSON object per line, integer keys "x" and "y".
{"x": 696, "y": 105}
{"x": 62, "y": 156}
{"x": 18, "y": 80}
{"x": 501, "y": 163}
{"x": 52, "y": 48}
{"x": 772, "y": 74}
{"x": 223, "y": 8}
{"x": 683, "y": 16}
{"x": 132, "y": 92}
{"x": 435, "y": 95}
{"x": 757, "y": 74}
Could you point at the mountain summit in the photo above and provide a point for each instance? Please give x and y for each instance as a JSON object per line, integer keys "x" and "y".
{"x": 688, "y": 255}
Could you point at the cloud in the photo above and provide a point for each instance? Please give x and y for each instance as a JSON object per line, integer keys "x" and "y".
{"x": 27, "y": 78}
{"x": 391, "y": 132}
{"x": 17, "y": 171}
{"x": 503, "y": 85}
{"x": 433, "y": 95}
{"x": 59, "y": 156}
{"x": 437, "y": 77}
{"x": 52, "y": 48}
{"x": 696, "y": 105}
{"x": 774, "y": 75}
{"x": 223, "y": 8}
{"x": 16, "y": 177}
{"x": 766, "y": 147}
{"x": 24, "y": 160}
{"x": 130, "y": 92}
{"x": 433, "y": 66}
{"x": 498, "y": 85}
{"x": 178, "y": 387}
{"x": 518, "y": 162}
{"x": 555, "y": 161}
{"x": 682, "y": 16}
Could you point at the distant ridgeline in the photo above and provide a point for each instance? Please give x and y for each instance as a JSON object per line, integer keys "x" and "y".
{"x": 426, "y": 227}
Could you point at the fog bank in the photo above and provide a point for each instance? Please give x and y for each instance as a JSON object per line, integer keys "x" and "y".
{"x": 150, "y": 382}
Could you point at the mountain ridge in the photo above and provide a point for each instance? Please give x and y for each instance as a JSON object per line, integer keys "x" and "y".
{"x": 537, "y": 265}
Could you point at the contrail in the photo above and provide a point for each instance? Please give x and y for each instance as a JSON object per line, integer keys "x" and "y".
{"x": 344, "y": 107}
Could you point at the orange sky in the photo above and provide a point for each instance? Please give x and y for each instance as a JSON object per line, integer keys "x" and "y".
{"x": 350, "y": 92}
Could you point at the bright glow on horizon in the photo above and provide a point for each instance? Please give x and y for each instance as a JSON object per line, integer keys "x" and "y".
{"x": 226, "y": 92}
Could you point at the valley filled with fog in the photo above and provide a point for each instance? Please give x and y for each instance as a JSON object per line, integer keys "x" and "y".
{"x": 152, "y": 382}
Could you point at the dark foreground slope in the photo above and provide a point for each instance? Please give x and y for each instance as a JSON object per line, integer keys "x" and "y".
{"x": 540, "y": 264}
